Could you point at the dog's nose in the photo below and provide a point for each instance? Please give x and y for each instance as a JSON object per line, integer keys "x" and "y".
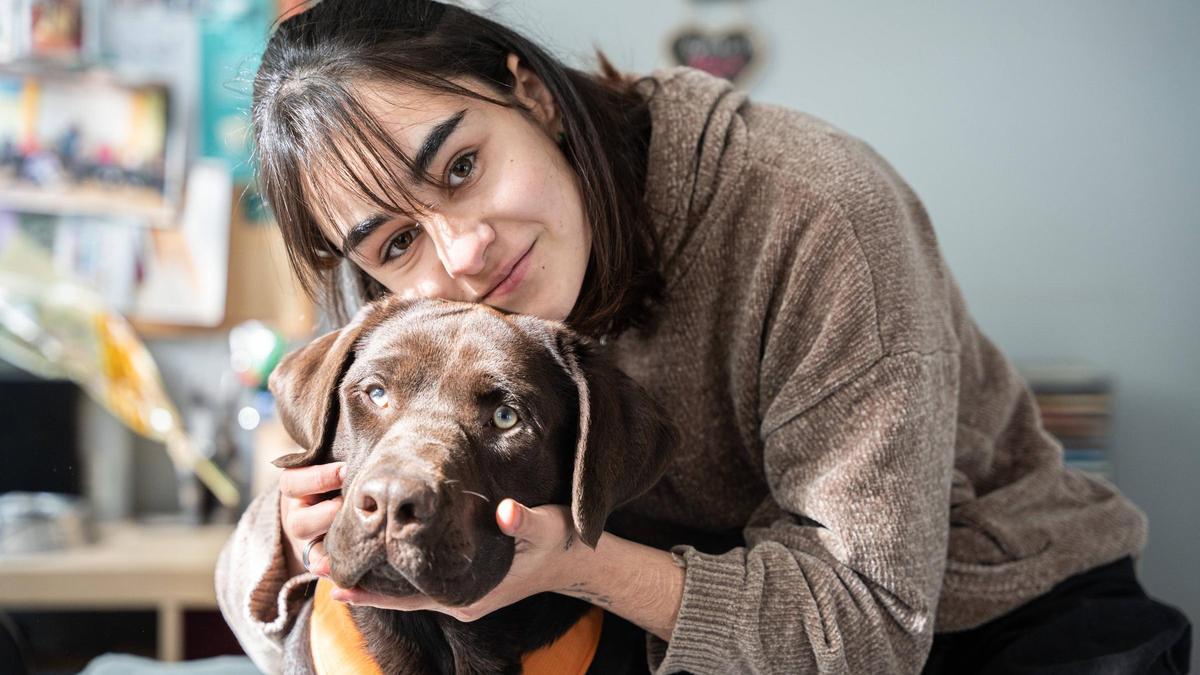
{"x": 401, "y": 504}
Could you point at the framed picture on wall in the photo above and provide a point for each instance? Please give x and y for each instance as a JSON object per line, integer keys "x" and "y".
{"x": 55, "y": 28}
{"x": 87, "y": 143}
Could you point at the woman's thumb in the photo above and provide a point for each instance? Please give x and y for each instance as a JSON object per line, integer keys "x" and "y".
{"x": 511, "y": 516}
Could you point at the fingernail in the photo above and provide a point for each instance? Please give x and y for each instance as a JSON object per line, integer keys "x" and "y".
{"x": 341, "y": 473}
{"x": 507, "y": 511}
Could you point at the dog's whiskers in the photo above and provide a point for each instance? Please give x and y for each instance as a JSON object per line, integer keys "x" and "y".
{"x": 470, "y": 492}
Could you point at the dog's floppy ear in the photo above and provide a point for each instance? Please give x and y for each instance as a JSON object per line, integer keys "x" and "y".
{"x": 625, "y": 437}
{"x": 305, "y": 385}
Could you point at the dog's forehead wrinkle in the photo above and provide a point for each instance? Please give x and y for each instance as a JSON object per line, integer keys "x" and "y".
{"x": 443, "y": 331}
{"x": 436, "y": 310}
{"x": 440, "y": 316}
{"x": 490, "y": 341}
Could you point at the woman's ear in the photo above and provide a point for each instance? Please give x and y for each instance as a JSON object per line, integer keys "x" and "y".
{"x": 532, "y": 93}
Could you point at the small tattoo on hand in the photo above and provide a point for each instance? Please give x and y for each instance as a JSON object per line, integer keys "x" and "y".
{"x": 579, "y": 590}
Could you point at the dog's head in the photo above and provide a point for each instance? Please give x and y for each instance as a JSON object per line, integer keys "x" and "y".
{"x": 442, "y": 409}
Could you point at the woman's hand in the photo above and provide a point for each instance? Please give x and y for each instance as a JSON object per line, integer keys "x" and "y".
{"x": 306, "y": 515}
{"x": 545, "y": 542}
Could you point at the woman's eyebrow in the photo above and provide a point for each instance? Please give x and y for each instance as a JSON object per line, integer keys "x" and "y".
{"x": 433, "y": 143}
{"x": 429, "y": 149}
{"x": 357, "y": 233}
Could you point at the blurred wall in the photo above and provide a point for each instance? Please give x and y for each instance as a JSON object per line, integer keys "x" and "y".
{"x": 1057, "y": 148}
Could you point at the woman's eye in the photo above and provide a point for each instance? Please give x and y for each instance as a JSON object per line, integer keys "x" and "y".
{"x": 378, "y": 396}
{"x": 398, "y": 245}
{"x": 505, "y": 417}
{"x": 461, "y": 170}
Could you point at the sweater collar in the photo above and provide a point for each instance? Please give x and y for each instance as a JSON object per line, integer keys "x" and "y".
{"x": 697, "y": 157}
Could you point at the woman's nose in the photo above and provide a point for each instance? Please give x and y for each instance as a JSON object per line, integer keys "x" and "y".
{"x": 466, "y": 248}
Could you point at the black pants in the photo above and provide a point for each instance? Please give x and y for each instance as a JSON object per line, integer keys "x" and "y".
{"x": 1100, "y": 621}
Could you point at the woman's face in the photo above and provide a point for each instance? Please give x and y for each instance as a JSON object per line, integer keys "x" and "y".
{"x": 510, "y": 232}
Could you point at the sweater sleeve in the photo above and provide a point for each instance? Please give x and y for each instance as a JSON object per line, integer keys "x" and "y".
{"x": 257, "y": 598}
{"x": 843, "y": 563}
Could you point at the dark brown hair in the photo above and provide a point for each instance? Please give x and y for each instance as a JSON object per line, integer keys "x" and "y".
{"x": 306, "y": 113}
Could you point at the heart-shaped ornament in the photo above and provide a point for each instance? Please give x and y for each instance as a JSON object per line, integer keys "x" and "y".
{"x": 732, "y": 53}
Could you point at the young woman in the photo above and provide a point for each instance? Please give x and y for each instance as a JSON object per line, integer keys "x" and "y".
{"x": 860, "y": 468}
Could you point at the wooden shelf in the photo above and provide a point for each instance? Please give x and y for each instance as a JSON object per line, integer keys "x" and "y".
{"x": 167, "y": 568}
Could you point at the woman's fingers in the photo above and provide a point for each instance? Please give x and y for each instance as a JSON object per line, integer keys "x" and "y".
{"x": 304, "y": 513}
{"x": 309, "y": 522}
{"x": 307, "y": 483}
{"x": 406, "y": 603}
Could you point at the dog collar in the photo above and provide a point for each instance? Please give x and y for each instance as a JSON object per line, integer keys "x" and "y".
{"x": 336, "y": 645}
{"x": 338, "y": 648}
{"x": 572, "y": 652}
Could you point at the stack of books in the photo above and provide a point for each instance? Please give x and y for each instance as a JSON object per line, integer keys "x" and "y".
{"x": 1076, "y": 408}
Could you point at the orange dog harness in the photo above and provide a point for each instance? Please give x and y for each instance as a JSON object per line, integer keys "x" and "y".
{"x": 338, "y": 648}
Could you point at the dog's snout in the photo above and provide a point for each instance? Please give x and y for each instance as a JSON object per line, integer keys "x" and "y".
{"x": 401, "y": 504}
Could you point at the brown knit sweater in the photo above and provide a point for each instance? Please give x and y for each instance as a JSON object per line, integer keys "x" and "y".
{"x": 859, "y": 465}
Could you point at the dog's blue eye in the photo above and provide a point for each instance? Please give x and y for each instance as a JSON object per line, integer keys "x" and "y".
{"x": 504, "y": 417}
{"x": 378, "y": 396}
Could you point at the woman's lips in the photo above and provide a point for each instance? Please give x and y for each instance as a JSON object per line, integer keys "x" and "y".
{"x": 514, "y": 278}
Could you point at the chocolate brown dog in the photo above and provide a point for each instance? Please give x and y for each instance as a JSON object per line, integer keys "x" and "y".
{"x": 440, "y": 410}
